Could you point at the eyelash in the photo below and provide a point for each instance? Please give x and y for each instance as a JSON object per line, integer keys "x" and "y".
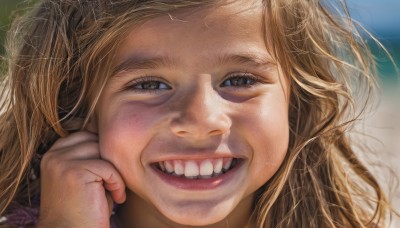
{"x": 138, "y": 84}
{"x": 240, "y": 76}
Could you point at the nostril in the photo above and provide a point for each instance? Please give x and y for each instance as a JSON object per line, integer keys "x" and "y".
{"x": 199, "y": 128}
{"x": 198, "y": 134}
{"x": 181, "y": 133}
{"x": 215, "y": 132}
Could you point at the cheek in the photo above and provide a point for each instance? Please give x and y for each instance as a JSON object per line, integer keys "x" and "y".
{"x": 269, "y": 138}
{"x": 124, "y": 134}
{"x": 266, "y": 122}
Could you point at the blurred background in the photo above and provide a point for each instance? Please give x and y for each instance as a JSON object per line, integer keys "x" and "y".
{"x": 7, "y": 9}
{"x": 382, "y": 19}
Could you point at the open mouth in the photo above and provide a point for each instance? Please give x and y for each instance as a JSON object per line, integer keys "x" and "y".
{"x": 197, "y": 169}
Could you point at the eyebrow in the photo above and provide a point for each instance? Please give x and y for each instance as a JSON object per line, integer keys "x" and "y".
{"x": 254, "y": 59}
{"x": 139, "y": 63}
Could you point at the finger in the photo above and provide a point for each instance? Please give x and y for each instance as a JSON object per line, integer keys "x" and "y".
{"x": 116, "y": 189}
{"x": 73, "y": 139}
{"x": 82, "y": 151}
{"x": 110, "y": 203}
{"x": 106, "y": 172}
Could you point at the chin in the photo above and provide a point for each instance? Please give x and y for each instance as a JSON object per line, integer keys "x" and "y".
{"x": 199, "y": 215}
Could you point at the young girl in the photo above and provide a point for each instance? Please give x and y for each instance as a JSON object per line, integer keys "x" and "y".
{"x": 177, "y": 113}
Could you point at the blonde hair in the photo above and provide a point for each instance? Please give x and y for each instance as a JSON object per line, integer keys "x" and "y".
{"x": 60, "y": 59}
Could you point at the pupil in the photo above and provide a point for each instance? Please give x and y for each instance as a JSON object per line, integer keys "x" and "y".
{"x": 239, "y": 81}
{"x": 151, "y": 85}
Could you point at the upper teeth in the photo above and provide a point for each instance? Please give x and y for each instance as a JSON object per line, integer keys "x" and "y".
{"x": 196, "y": 168}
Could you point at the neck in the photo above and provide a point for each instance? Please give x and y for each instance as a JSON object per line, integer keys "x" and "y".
{"x": 136, "y": 212}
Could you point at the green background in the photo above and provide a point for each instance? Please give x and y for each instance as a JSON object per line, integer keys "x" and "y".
{"x": 7, "y": 12}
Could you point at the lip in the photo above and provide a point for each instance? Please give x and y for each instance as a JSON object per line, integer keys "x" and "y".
{"x": 198, "y": 184}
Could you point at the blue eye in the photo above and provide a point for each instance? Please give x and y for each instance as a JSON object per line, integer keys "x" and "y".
{"x": 148, "y": 84}
{"x": 240, "y": 80}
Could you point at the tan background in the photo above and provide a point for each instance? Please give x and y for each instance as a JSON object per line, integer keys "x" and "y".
{"x": 383, "y": 125}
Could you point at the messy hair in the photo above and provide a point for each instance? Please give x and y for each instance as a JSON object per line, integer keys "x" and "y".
{"x": 60, "y": 57}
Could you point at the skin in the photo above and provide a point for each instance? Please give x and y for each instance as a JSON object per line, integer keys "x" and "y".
{"x": 191, "y": 112}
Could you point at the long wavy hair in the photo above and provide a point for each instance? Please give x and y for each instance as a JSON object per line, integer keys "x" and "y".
{"x": 60, "y": 57}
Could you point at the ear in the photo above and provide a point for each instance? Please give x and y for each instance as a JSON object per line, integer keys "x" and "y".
{"x": 91, "y": 125}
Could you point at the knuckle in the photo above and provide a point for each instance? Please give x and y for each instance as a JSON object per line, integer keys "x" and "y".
{"x": 58, "y": 143}
{"x": 53, "y": 163}
{"x": 48, "y": 160}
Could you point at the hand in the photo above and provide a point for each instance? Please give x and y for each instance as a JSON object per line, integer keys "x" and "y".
{"x": 78, "y": 187}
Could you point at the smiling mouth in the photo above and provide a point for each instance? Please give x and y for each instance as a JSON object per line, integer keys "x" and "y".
{"x": 197, "y": 169}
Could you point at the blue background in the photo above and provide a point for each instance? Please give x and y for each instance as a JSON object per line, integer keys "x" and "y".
{"x": 382, "y": 19}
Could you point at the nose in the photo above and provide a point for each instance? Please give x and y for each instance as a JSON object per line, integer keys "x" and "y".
{"x": 201, "y": 114}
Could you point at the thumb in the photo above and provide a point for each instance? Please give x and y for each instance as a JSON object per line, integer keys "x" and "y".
{"x": 110, "y": 203}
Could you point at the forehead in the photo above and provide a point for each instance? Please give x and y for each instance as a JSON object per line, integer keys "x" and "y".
{"x": 213, "y": 16}
{"x": 205, "y": 26}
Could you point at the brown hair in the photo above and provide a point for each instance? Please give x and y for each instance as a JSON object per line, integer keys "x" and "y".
{"x": 60, "y": 58}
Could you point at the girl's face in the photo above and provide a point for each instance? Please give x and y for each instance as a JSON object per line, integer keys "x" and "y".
{"x": 193, "y": 91}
